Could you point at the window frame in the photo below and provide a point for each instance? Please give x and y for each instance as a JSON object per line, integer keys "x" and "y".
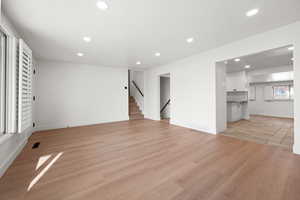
{"x": 290, "y": 96}
{"x": 3, "y": 81}
{"x": 10, "y": 97}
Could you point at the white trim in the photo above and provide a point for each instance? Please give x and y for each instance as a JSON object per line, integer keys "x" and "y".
{"x": 296, "y": 150}
{"x": 193, "y": 126}
{"x": 4, "y": 138}
{"x": 61, "y": 125}
{"x": 5, "y": 165}
{"x": 5, "y": 31}
{"x": 11, "y": 90}
{"x": 3, "y": 67}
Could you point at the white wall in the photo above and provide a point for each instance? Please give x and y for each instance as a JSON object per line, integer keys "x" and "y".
{"x": 192, "y": 88}
{"x": 221, "y": 94}
{"x": 75, "y": 94}
{"x": 11, "y": 144}
{"x": 270, "y": 108}
{"x": 138, "y": 78}
{"x": 270, "y": 70}
{"x": 193, "y": 81}
{"x": 165, "y": 96}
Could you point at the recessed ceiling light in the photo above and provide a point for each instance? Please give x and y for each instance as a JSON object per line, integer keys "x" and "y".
{"x": 247, "y": 66}
{"x": 138, "y": 62}
{"x": 292, "y": 59}
{"x": 252, "y": 12}
{"x": 157, "y": 54}
{"x": 190, "y": 40}
{"x": 80, "y": 54}
{"x": 87, "y": 39}
{"x": 237, "y": 60}
{"x": 291, "y": 48}
{"x": 102, "y": 4}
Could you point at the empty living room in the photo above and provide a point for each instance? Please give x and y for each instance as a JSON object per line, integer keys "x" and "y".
{"x": 149, "y": 100}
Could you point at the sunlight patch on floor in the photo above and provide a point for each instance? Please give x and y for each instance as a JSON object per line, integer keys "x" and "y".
{"x": 42, "y": 160}
{"x": 41, "y": 174}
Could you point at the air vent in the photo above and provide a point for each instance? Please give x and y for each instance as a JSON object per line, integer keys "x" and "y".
{"x": 36, "y": 145}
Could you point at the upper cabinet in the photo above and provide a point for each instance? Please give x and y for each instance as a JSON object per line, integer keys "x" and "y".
{"x": 237, "y": 81}
{"x": 272, "y": 77}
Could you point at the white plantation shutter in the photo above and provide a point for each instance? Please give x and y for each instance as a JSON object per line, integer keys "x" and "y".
{"x": 25, "y": 87}
{"x": 12, "y": 80}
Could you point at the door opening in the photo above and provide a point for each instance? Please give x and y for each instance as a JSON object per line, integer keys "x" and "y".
{"x": 255, "y": 97}
{"x": 165, "y": 98}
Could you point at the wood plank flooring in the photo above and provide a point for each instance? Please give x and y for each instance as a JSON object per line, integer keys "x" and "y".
{"x": 149, "y": 160}
{"x": 264, "y": 130}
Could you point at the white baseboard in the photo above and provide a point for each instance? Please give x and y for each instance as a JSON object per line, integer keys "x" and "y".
{"x": 53, "y": 126}
{"x": 296, "y": 150}
{"x": 194, "y": 127}
{"x": 10, "y": 159}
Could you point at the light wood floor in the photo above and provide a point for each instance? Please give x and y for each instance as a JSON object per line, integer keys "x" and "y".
{"x": 144, "y": 159}
{"x": 264, "y": 130}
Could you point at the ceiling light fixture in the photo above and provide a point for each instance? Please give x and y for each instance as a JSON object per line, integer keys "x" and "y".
{"x": 157, "y": 54}
{"x": 138, "y": 62}
{"x": 237, "y": 60}
{"x": 291, "y": 48}
{"x": 190, "y": 40}
{"x": 247, "y": 66}
{"x": 292, "y": 59}
{"x": 252, "y": 12}
{"x": 80, "y": 54}
{"x": 102, "y": 5}
{"x": 87, "y": 39}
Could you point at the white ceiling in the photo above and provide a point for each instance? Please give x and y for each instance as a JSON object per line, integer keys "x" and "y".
{"x": 134, "y": 30}
{"x": 267, "y": 59}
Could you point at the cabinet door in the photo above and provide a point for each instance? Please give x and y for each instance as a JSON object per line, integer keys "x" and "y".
{"x": 236, "y": 111}
{"x": 252, "y": 93}
{"x": 268, "y": 93}
{"x": 236, "y": 81}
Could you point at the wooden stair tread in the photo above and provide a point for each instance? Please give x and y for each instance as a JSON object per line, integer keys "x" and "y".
{"x": 134, "y": 110}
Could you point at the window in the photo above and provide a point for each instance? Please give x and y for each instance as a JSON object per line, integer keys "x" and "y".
{"x": 283, "y": 92}
{"x": 292, "y": 91}
{"x": 15, "y": 85}
{"x": 3, "y": 62}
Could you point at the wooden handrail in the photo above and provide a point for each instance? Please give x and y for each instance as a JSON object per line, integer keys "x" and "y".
{"x": 165, "y": 106}
{"x": 137, "y": 87}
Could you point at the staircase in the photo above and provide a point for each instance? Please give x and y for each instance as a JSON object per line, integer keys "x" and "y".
{"x": 134, "y": 111}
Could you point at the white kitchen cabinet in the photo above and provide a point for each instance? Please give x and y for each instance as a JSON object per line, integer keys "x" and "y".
{"x": 252, "y": 93}
{"x": 237, "y": 106}
{"x": 237, "y": 111}
{"x": 236, "y": 81}
{"x": 234, "y": 112}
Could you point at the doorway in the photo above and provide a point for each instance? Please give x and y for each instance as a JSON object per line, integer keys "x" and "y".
{"x": 136, "y": 94}
{"x": 255, "y": 94}
{"x": 165, "y": 98}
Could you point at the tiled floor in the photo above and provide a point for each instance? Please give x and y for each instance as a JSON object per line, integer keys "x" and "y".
{"x": 264, "y": 130}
